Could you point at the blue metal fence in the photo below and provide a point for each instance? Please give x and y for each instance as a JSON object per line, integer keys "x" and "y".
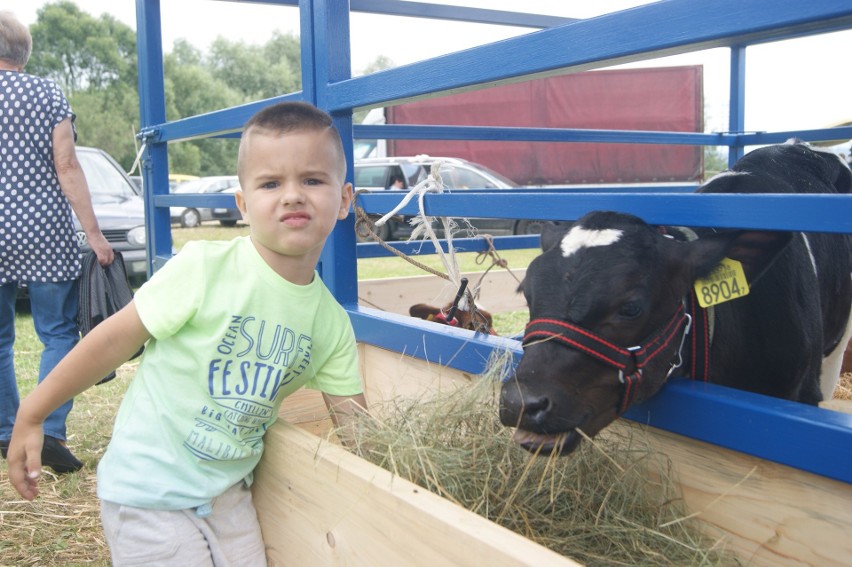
{"x": 662, "y": 28}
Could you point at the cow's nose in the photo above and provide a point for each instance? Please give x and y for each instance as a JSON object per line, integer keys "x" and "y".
{"x": 535, "y": 409}
{"x": 520, "y": 408}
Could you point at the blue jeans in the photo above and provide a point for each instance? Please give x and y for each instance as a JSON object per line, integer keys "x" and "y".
{"x": 54, "y": 309}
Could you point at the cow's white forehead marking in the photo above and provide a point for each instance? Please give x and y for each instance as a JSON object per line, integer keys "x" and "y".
{"x": 579, "y": 237}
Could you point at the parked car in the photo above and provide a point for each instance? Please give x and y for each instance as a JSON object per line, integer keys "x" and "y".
{"x": 228, "y": 216}
{"x": 189, "y": 217}
{"x": 376, "y": 174}
{"x": 176, "y": 179}
{"x": 119, "y": 209}
{"x": 137, "y": 181}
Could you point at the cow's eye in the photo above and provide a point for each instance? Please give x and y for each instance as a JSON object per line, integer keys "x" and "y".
{"x": 630, "y": 310}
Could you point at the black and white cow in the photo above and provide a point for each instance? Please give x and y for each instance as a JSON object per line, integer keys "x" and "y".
{"x": 610, "y": 298}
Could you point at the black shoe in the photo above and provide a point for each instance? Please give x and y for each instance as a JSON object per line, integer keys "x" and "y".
{"x": 55, "y": 454}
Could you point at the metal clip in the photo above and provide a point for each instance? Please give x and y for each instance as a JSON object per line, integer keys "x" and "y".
{"x": 677, "y": 363}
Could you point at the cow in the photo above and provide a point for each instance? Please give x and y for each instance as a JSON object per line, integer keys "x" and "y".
{"x": 462, "y": 312}
{"x": 478, "y": 320}
{"x": 611, "y": 308}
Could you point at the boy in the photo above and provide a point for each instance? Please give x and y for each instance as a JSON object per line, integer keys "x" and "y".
{"x": 232, "y": 328}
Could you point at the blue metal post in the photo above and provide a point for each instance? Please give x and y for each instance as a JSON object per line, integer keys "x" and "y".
{"x": 326, "y": 59}
{"x": 736, "y": 112}
{"x": 152, "y": 111}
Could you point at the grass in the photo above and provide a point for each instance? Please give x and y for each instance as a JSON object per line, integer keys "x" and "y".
{"x": 62, "y": 527}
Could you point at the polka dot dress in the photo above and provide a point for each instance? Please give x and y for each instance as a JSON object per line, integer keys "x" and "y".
{"x": 37, "y": 240}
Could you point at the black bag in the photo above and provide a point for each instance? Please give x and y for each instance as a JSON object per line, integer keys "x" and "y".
{"x": 103, "y": 291}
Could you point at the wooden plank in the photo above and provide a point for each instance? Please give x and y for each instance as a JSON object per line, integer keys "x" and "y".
{"x": 320, "y": 505}
{"x": 498, "y": 292}
{"x": 768, "y": 514}
{"x": 843, "y": 406}
{"x": 389, "y": 375}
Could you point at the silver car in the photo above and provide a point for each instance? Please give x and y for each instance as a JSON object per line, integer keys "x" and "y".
{"x": 189, "y": 217}
{"x": 376, "y": 174}
{"x": 119, "y": 209}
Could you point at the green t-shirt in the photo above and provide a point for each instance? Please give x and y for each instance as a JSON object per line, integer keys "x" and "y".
{"x": 231, "y": 339}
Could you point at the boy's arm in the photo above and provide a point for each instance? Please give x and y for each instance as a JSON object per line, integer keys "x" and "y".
{"x": 105, "y": 348}
{"x": 343, "y": 411}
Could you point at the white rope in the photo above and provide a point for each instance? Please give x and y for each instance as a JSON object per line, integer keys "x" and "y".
{"x": 136, "y": 161}
{"x": 422, "y": 224}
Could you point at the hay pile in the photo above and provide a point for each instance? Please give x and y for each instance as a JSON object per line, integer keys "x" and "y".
{"x": 610, "y": 503}
{"x": 844, "y": 387}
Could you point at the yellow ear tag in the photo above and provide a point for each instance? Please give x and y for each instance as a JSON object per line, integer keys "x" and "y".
{"x": 726, "y": 282}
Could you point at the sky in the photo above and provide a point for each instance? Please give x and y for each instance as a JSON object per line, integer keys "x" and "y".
{"x": 795, "y": 84}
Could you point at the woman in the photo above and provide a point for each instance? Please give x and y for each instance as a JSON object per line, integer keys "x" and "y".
{"x": 39, "y": 178}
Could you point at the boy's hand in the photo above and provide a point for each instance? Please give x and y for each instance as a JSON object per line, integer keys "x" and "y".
{"x": 343, "y": 411}
{"x": 24, "y": 458}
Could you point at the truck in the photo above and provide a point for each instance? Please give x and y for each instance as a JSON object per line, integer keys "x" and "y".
{"x": 667, "y": 99}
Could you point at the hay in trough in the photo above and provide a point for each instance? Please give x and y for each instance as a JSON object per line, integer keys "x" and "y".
{"x": 844, "y": 387}
{"x": 611, "y": 502}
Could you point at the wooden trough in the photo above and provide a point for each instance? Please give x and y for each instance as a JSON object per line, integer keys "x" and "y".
{"x": 321, "y": 505}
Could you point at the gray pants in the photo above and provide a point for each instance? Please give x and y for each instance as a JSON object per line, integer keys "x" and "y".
{"x": 228, "y": 536}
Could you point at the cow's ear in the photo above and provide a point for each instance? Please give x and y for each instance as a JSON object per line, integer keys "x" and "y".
{"x": 551, "y": 234}
{"x": 423, "y": 311}
{"x": 755, "y": 249}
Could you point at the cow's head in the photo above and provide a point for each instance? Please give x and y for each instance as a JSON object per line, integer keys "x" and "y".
{"x": 475, "y": 319}
{"x": 623, "y": 282}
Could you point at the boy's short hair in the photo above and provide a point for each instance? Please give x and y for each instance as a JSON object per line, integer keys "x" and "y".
{"x": 16, "y": 43}
{"x": 295, "y": 116}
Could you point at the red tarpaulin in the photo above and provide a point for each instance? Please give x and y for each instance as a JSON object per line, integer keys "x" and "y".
{"x": 653, "y": 99}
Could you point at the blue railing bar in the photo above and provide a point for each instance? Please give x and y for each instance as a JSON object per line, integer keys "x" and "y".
{"x": 440, "y": 12}
{"x": 514, "y": 134}
{"x": 458, "y": 13}
{"x": 781, "y": 431}
{"x": 462, "y": 349}
{"x": 207, "y": 200}
{"x": 224, "y": 123}
{"x": 841, "y": 134}
{"x": 425, "y": 247}
{"x": 802, "y": 436}
{"x": 815, "y": 213}
{"x": 623, "y": 187}
{"x": 657, "y": 29}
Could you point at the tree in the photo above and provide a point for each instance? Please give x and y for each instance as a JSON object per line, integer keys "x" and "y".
{"x": 257, "y": 72}
{"x": 379, "y": 64}
{"x": 191, "y": 89}
{"x": 94, "y": 62}
{"x": 81, "y": 52}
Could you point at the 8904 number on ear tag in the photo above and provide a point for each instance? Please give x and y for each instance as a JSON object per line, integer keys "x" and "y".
{"x": 727, "y": 281}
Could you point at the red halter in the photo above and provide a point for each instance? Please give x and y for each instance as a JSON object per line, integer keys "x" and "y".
{"x": 629, "y": 361}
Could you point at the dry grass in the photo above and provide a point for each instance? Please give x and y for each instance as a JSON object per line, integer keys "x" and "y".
{"x": 62, "y": 526}
{"x": 611, "y": 503}
{"x": 844, "y": 387}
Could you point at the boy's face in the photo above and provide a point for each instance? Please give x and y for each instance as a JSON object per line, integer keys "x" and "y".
{"x": 293, "y": 191}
